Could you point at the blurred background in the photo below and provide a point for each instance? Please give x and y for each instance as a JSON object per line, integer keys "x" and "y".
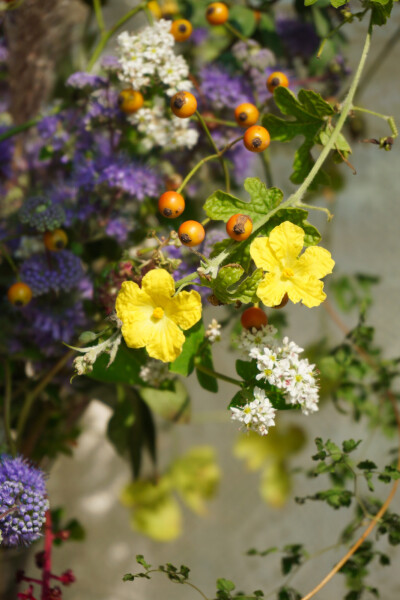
{"x": 363, "y": 237}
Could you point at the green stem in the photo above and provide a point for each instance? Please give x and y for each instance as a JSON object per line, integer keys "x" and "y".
{"x": 99, "y": 15}
{"x": 213, "y": 144}
{"x": 235, "y": 32}
{"x": 348, "y": 19}
{"x": 186, "y": 280}
{"x": 106, "y": 35}
{"x": 7, "y": 407}
{"x": 312, "y": 207}
{"x": 31, "y": 397}
{"x": 222, "y": 122}
{"x": 265, "y": 157}
{"x": 8, "y": 258}
{"x": 20, "y": 128}
{"x": 389, "y": 120}
{"x": 149, "y": 15}
{"x": 217, "y": 375}
{"x": 296, "y": 198}
{"x": 347, "y": 104}
{"x": 206, "y": 159}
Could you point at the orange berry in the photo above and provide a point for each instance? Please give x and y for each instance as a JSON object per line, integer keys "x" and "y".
{"x": 55, "y": 240}
{"x": 173, "y": 181}
{"x": 183, "y": 104}
{"x": 19, "y": 294}
{"x": 253, "y": 317}
{"x": 191, "y": 233}
{"x": 256, "y": 138}
{"x": 275, "y": 80}
{"x": 171, "y": 204}
{"x": 181, "y": 29}
{"x": 129, "y": 101}
{"x": 217, "y": 13}
{"x": 246, "y": 114}
{"x": 239, "y": 227}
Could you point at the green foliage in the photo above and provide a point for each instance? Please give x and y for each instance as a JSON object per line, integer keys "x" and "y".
{"x": 220, "y": 206}
{"x": 309, "y": 116}
{"x": 131, "y": 429}
{"x": 184, "y": 364}
{"x": 229, "y": 287}
{"x": 204, "y": 359}
{"x": 124, "y": 369}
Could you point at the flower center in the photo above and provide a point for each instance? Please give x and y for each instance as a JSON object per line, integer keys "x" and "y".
{"x": 288, "y": 272}
{"x": 158, "y": 313}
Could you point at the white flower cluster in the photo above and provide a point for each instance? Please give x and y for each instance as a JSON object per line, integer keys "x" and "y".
{"x": 154, "y": 372}
{"x": 159, "y": 130}
{"x": 213, "y": 332}
{"x": 149, "y": 55}
{"x": 144, "y": 59}
{"x": 258, "y": 415}
{"x": 282, "y": 367}
{"x": 257, "y": 338}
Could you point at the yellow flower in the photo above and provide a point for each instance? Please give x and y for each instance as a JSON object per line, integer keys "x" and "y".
{"x": 287, "y": 272}
{"x": 153, "y": 317}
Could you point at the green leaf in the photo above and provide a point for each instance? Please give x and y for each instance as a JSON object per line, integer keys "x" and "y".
{"x": 206, "y": 381}
{"x": 247, "y": 370}
{"x": 297, "y": 216}
{"x": 184, "y": 364}
{"x": 350, "y": 445}
{"x": 381, "y": 11}
{"x": 128, "y": 577}
{"x": 124, "y": 369}
{"x": 172, "y": 404}
{"x": 140, "y": 560}
{"x": 224, "y": 585}
{"x": 131, "y": 430}
{"x": 309, "y": 112}
{"x": 367, "y": 465}
{"x": 243, "y": 19}
{"x": 220, "y": 206}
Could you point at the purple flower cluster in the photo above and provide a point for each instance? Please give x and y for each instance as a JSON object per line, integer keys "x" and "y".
{"x": 41, "y": 214}
{"x": 128, "y": 176}
{"x": 55, "y": 271}
{"x": 52, "y": 324}
{"x": 81, "y": 80}
{"x": 222, "y": 89}
{"x": 23, "y": 502}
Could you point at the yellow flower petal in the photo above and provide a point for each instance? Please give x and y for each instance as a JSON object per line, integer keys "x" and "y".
{"x": 309, "y": 291}
{"x": 184, "y": 309}
{"x": 262, "y": 254}
{"x": 138, "y": 332}
{"x": 315, "y": 261}
{"x": 166, "y": 340}
{"x": 272, "y": 289}
{"x": 286, "y": 242}
{"x": 159, "y": 285}
{"x": 129, "y": 300}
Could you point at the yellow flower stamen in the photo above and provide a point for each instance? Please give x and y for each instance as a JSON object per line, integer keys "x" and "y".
{"x": 158, "y": 313}
{"x": 287, "y": 272}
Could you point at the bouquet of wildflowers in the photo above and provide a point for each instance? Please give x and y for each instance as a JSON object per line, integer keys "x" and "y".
{"x": 141, "y": 223}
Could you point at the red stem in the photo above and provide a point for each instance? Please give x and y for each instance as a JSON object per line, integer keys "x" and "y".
{"x": 48, "y": 542}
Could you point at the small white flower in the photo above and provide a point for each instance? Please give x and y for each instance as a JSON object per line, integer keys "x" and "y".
{"x": 154, "y": 372}
{"x": 258, "y": 415}
{"x": 213, "y": 332}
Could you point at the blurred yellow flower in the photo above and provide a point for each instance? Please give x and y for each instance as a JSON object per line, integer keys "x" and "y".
{"x": 152, "y": 317}
{"x": 287, "y": 272}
